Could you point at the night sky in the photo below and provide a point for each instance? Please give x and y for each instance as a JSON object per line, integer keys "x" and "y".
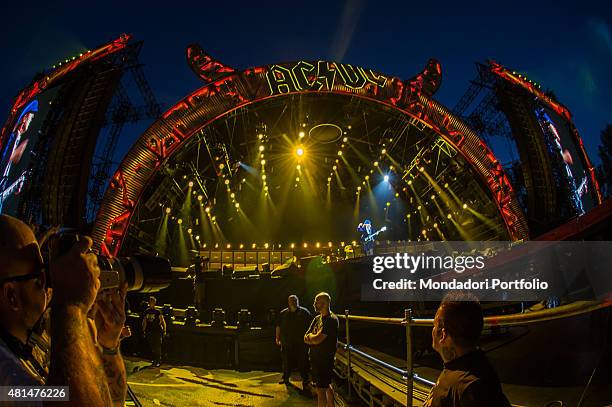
{"x": 563, "y": 47}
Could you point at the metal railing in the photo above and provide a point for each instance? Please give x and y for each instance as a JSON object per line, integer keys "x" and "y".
{"x": 524, "y": 318}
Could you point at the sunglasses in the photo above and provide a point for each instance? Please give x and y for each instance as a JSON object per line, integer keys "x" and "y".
{"x": 36, "y": 275}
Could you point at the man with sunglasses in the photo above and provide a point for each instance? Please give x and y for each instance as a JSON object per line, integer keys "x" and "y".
{"x": 75, "y": 360}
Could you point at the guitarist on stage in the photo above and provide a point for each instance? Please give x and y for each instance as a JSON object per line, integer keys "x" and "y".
{"x": 367, "y": 237}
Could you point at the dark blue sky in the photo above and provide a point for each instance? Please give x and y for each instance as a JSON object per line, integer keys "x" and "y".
{"x": 565, "y": 46}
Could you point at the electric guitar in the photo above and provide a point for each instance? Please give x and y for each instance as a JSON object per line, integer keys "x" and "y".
{"x": 371, "y": 237}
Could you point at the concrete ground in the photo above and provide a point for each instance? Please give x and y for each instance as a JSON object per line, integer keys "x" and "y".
{"x": 194, "y": 386}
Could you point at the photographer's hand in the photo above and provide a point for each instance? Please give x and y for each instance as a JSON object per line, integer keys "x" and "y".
{"x": 75, "y": 276}
{"x": 110, "y": 316}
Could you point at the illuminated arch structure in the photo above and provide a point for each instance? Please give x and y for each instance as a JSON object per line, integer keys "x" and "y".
{"x": 194, "y": 167}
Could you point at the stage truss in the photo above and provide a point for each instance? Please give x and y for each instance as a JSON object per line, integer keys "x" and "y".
{"x": 229, "y": 90}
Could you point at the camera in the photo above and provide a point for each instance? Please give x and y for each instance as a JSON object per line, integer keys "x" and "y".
{"x": 144, "y": 273}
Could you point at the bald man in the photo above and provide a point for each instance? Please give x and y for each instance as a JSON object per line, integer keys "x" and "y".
{"x": 75, "y": 360}
{"x": 322, "y": 337}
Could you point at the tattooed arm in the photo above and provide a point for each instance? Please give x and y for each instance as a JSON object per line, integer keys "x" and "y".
{"x": 114, "y": 369}
{"x": 110, "y": 318}
{"x": 74, "y": 362}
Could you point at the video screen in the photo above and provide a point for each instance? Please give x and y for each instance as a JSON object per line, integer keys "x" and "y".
{"x": 19, "y": 152}
{"x": 567, "y": 160}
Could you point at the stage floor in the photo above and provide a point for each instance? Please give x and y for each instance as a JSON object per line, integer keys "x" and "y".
{"x": 193, "y": 386}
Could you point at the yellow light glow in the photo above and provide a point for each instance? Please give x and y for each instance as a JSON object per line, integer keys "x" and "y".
{"x": 305, "y": 245}
{"x": 261, "y": 148}
{"x": 263, "y": 176}
{"x": 190, "y": 184}
{"x": 318, "y": 245}
{"x": 384, "y": 151}
{"x": 345, "y": 139}
{"x": 237, "y": 205}
{"x": 340, "y": 152}
{"x": 299, "y": 151}
{"x": 375, "y": 163}
{"x": 302, "y": 134}
{"x": 207, "y": 209}
{"x": 200, "y": 197}
{"x": 263, "y": 162}
{"x": 334, "y": 168}
{"x": 266, "y": 245}
{"x": 298, "y": 167}
{"x": 293, "y": 245}
{"x": 180, "y": 221}
{"x": 189, "y": 230}
{"x": 168, "y": 210}
{"x": 241, "y": 246}
{"x": 232, "y": 195}
{"x": 229, "y": 246}
{"x": 227, "y": 182}
{"x": 464, "y": 206}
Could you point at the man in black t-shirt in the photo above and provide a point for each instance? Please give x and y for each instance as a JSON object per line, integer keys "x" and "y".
{"x": 291, "y": 326}
{"x": 322, "y": 337}
{"x": 468, "y": 379}
{"x": 154, "y": 329}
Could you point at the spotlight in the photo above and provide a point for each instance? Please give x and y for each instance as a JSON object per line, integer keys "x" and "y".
{"x": 386, "y": 178}
{"x": 299, "y": 151}
{"x": 168, "y": 210}
{"x": 200, "y": 197}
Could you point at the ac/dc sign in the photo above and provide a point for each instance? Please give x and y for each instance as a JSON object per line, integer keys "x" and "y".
{"x": 304, "y": 76}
